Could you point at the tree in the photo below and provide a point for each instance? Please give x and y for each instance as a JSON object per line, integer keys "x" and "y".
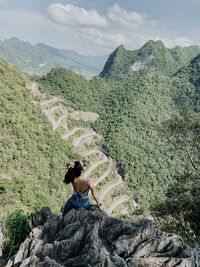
{"x": 181, "y": 208}
{"x": 183, "y": 132}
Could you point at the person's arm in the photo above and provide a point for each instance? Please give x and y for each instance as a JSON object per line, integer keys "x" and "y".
{"x": 95, "y": 195}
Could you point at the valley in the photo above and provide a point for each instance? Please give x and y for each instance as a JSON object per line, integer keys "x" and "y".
{"x": 79, "y": 142}
{"x": 111, "y": 123}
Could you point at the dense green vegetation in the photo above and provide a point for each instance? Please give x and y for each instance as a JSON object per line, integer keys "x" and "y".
{"x": 129, "y": 108}
{"x": 187, "y": 82}
{"x": 180, "y": 210}
{"x": 17, "y": 229}
{"x": 128, "y": 103}
{"x": 33, "y": 157}
{"x": 78, "y": 92}
{"x": 153, "y": 54}
{"x": 146, "y": 167}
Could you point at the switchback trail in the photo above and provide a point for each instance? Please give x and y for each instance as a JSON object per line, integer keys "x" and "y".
{"x": 54, "y": 104}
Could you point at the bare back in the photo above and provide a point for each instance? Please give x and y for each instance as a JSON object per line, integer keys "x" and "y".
{"x": 80, "y": 183}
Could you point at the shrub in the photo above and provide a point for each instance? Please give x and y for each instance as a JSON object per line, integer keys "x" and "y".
{"x": 17, "y": 229}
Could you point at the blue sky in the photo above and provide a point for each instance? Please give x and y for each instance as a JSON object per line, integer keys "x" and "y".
{"x": 99, "y": 26}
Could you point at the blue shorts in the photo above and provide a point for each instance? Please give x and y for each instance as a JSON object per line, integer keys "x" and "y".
{"x": 75, "y": 202}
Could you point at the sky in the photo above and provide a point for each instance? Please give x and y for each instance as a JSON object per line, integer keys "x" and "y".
{"x": 97, "y": 27}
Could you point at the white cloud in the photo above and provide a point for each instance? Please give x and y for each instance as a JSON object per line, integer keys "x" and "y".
{"x": 100, "y": 34}
{"x": 85, "y": 37}
{"x": 34, "y": 27}
{"x": 26, "y": 25}
{"x": 105, "y": 40}
{"x": 70, "y": 15}
{"x": 132, "y": 19}
{"x": 172, "y": 42}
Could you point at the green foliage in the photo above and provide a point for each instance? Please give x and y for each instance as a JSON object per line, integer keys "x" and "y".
{"x": 122, "y": 108}
{"x": 142, "y": 155}
{"x": 33, "y": 157}
{"x": 62, "y": 81}
{"x": 17, "y": 229}
{"x": 181, "y": 208}
{"x": 183, "y": 133}
{"x": 34, "y": 154}
{"x": 153, "y": 54}
{"x": 118, "y": 64}
{"x": 78, "y": 92}
{"x": 187, "y": 85}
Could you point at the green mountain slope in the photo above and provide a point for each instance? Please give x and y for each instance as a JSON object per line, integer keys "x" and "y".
{"x": 32, "y": 156}
{"x": 123, "y": 64}
{"x": 150, "y": 95}
{"x": 40, "y": 58}
{"x": 77, "y": 91}
{"x": 145, "y": 163}
{"x": 187, "y": 82}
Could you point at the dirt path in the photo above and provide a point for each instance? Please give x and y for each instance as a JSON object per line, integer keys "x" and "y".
{"x": 105, "y": 174}
{"x": 117, "y": 201}
{"x": 95, "y": 165}
{"x": 50, "y": 101}
{"x": 49, "y": 116}
{"x": 77, "y": 141}
{"x": 105, "y": 189}
{"x": 51, "y": 110}
{"x": 68, "y": 134}
{"x": 33, "y": 88}
{"x": 58, "y": 123}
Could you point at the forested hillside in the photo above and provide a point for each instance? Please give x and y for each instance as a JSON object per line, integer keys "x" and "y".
{"x": 130, "y": 105}
{"x": 137, "y": 93}
{"x": 145, "y": 162}
{"x": 123, "y": 64}
{"x": 39, "y": 134}
{"x": 33, "y": 157}
{"x": 187, "y": 81}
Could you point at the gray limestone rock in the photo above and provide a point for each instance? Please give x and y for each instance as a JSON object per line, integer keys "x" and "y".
{"x": 92, "y": 238}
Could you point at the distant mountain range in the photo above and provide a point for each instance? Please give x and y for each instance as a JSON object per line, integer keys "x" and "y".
{"x": 41, "y": 58}
{"x": 121, "y": 64}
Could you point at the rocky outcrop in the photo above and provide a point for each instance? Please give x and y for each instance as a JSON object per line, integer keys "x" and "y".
{"x": 92, "y": 238}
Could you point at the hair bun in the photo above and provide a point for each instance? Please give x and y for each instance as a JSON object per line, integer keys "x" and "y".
{"x": 70, "y": 165}
{"x": 74, "y": 170}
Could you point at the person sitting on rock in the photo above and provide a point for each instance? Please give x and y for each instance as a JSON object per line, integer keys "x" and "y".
{"x": 81, "y": 186}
